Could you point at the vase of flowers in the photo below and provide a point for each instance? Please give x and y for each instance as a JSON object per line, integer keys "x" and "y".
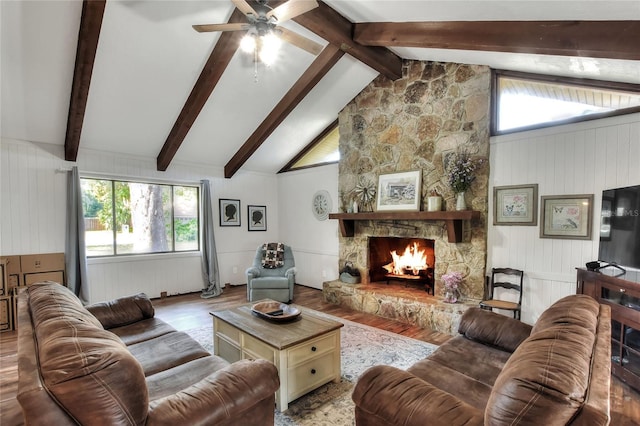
{"x": 451, "y": 282}
{"x": 460, "y": 170}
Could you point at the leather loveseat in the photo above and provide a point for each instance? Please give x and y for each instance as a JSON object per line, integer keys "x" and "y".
{"x": 115, "y": 363}
{"x": 500, "y": 371}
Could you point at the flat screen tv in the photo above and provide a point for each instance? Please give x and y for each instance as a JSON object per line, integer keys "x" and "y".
{"x": 620, "y": 228}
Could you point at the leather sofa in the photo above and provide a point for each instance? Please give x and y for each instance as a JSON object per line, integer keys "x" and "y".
{"x": 500, "y": 371}
{"x": 115, "y": 363}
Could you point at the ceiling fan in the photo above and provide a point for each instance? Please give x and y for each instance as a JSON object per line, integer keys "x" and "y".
{"x": 263, "y": 27}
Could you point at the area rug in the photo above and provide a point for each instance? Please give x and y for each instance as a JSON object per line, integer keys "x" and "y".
{"x": 361, "y": 347}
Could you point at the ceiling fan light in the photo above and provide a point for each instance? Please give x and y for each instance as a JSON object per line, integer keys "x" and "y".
{"x": 269, "y": 47}
{"x": 248, "y": 43}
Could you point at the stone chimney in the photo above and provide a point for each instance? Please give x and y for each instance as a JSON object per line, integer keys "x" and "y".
{"x": 414, "y": 123}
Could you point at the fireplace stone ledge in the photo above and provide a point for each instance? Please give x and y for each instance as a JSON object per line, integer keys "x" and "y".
{"x": 408, "y": 304}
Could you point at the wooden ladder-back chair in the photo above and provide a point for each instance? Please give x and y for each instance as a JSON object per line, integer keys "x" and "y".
{"x": 506, "y": 278}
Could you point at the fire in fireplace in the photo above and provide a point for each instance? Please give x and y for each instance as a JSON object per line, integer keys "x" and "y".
{"x": 411, "y": 262}
{"x": 415, "y": 264}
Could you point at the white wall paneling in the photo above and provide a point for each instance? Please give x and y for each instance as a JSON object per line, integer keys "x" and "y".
{"x": 314, "y": 243}
{"x": 583, "y": 158}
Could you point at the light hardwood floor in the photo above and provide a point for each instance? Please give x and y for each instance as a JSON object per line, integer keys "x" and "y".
{"x": 190, "y": 311}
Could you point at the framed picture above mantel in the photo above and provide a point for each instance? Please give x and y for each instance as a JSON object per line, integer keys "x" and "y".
{"x": 399, "y": 191}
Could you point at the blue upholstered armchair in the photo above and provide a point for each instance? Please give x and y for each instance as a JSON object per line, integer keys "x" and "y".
{"x": 273, "y": 273}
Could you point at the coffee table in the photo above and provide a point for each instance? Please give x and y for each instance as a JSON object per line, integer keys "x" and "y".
{"x": 306, "y": 351}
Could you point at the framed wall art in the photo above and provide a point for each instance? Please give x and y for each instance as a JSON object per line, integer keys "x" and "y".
{"x": 229, "y": 212}
{"x": 566, "y": 216}
{"x": 257, "y": 218}
{"x": 399, "y": 191}
{"x": 515, "y": 205}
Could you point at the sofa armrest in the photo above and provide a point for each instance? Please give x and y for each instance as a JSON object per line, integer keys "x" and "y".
{"x": 290, "y": 272}
{"x": 122, "y": 311}
{"x": 493, "y": 329}
{"x": 387, "y": 395}
{"x": 220, "y": 397}
{"x": 252, "y": 272}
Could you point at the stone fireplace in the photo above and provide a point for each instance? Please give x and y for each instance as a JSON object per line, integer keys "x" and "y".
{"x": 415, "y": 123}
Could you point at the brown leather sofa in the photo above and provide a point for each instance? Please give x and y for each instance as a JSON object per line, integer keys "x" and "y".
{"x": 115, "y": 363}
{"x": 500, "y": 371}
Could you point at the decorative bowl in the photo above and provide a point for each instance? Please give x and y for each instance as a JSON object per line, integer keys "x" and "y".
{"x": 275, "y": 311}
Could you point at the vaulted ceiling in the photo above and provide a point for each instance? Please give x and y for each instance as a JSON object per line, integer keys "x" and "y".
{"x": 133, "y": 77}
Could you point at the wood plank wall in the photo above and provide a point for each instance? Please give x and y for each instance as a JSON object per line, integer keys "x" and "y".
{"x": 583, "y": 158}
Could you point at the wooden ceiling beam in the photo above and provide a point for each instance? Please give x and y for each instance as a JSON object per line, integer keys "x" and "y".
{"x": 338, "y": 30}
{"x": 215, "y": 66}
{"x": 318, "y": 69}
{"x": 596, "y": 39}
{"x": 88, "y": 35}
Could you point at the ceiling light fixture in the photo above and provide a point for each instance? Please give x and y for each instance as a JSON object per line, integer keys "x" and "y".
{"x": 263, "y": 44}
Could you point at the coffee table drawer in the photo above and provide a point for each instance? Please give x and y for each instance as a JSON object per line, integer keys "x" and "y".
{"x": 310, "y": 375}
{"x": 226, "y": 349}
{"x": 312, "y": 349}
{"x": 257, "y": 349}
{"x": 230, "y": 332}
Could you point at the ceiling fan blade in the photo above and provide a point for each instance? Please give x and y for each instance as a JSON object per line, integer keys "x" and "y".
{"x": 291, "y": 9}
{"x": 207, "y": 28}
{"x": 300, "y": 41}
{"x": 244, "y": 7}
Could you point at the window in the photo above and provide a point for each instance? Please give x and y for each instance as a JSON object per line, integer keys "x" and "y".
{"x": 123, "y": 217}
{"x": 324, "y": 149}
{"x": 525, "y": 101}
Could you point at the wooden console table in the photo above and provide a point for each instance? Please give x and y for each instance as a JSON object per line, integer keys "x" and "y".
{"x": 452, "y": 219}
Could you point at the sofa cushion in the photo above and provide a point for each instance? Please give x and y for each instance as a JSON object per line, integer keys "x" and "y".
{"x": 142, "y": 330}
{"x": 122, "y": 311}
{"x": 493, "y": 329}
{"x": 270, "y": 282}
{"x": 546, "y": 380}
{"x": 180, "y": 377}
{"x": 87, "y": 369}
{"x": 166, "y": 351}
{"x": 464, "y": 368}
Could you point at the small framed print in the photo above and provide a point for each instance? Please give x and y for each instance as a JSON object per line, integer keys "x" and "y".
{"x": 566, "y": 216}
{"x": 515, "y": 205}
{"x": 257, "y": 218}
{"x": 399, "y": 191}
{"x": 229, "y": 212}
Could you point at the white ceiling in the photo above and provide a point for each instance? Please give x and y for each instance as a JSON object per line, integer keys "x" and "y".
{"x": 149, "y": 58}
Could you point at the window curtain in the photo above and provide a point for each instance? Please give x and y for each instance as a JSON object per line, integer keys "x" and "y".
{"x": 210, "y": 271}
{"x": 75, "y": 252}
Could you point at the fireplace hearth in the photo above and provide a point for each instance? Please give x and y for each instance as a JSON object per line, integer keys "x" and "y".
{"x": 409, "y": 261}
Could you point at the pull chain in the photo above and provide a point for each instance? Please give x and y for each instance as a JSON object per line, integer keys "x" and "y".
{"x": 255, "y": 65}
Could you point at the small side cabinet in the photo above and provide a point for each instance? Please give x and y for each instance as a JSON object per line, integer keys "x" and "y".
{"x": 622, "y": 293}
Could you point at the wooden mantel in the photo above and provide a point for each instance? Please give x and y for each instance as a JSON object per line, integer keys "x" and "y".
{"x": 453, "y": 220}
